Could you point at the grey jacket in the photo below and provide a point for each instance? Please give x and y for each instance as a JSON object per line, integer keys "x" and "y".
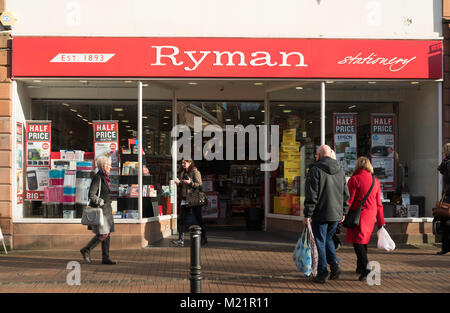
{"x": 105, "y": 196}
{"x": 326, "y": 192}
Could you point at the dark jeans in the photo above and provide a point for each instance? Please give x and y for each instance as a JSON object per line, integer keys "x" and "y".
{"x": 197, "y": 212}
{"x": 445, "y": 229}
{"x": 361, "y": 254}
{"x": 323, "y": 234}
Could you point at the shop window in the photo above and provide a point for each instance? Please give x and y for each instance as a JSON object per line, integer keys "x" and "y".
{"x": 62, "y": 186}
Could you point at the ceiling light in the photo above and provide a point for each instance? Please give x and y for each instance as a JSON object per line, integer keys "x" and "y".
{"x": 352, "y": 106}
{"x": 310, "y": 122}
{"x": 125, "y": 121}
{"x": 414, "y": 83}
{"x": 371, "y": 82}
{"x": 282, "y": 105}
{"x": 85, "y": 120}
{"x": 130, "y": 130}
{"x": 258, "y": 84}
{"x": 166, "y": 123}
{"x": 144, "y": 116}
{"x": 166, "y": 117}
{"x": 192, "y": 83}
{"x": 73, "y": 110}
{"x": 252, "y": 117}
{"x": 83, "y": 81}
{"x": 144, "y": 85}
{"x": 36, "y": 81}
{"x": 66, "y": 104}
{"x": 118, "y": 109}
{"x": 262, "y": 111}
{"x": 228, "y": 119}
{"x": 287, "y": 111}
{"x": 127, "y": 126}
{"x": 329, "y": 82}
{"x": 80, "y": 116}
{"x": 299, "y": 88}
{"x": 168, "y": 110}
{"x": 127, "y": 81}
{"x": 90, "y": 123}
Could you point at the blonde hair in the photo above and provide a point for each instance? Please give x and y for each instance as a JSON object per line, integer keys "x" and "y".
{"x": 446, "y": 149}
{"x": 363, "y": 163}
{"x": 102, "y": 161}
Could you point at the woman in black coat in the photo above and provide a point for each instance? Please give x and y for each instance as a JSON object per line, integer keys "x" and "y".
{"x": 101, "y": 181}
{"x": 444, "y": 169}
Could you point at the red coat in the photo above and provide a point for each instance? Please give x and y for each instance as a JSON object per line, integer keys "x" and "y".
{"x": 358, "y": 186}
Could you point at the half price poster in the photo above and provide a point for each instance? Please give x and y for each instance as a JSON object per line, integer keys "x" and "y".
{"x": 345, "y": 140}
{"x": 38, "y": 148}
{"x": 106, "y": 143}
{"x": 383, "y": 127}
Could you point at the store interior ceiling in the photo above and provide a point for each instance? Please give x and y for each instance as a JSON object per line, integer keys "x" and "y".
{"x": 239, "y": 100}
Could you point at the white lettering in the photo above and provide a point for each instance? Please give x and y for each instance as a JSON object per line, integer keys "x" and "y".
{"x": 230, "y": 58}
{"x": 196, "y": 63}
{"x": 266, "y": 58}
{"x": 287, "y": 55}
{"x": 159, "y": 55}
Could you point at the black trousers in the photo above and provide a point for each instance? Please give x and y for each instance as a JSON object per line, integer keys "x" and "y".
{"x": 361, "y": 254}
{"x": 445, "y": 229}
{"x": 197, "y": 212}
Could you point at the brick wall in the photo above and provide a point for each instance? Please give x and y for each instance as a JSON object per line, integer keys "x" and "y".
{"x": 6, "y": 143}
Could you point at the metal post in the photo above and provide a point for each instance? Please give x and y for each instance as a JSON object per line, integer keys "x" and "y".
{"x": 322, "y": 114}
{"x": 267, "y": 173}
{"x": 196, "y": 273}
{"x": 140, "y": 148}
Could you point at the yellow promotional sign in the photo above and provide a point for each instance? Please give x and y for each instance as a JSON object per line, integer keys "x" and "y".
{"x": 289, "y": 136}
{"x": 291, "y": 170}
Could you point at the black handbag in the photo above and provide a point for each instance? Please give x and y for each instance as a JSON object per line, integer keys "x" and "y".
{"x": 353, "y": 217}
{"x": 196, "y": 197}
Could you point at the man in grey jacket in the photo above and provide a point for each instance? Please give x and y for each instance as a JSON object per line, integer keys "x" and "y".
{"x": 326, "y": 204}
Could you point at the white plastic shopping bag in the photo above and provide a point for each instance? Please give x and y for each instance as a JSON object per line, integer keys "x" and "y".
{"x": 385, "y": 241}
{"x": 305, "y": 254}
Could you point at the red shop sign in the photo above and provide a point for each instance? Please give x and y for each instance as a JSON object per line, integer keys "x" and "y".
{"x": 226, "y": 58}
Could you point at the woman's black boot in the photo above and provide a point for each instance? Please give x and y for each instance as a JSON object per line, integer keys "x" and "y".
{"x": 85, "y": 252}
{"x": 105, "y": 252}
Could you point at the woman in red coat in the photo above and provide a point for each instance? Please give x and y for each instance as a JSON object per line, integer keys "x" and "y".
{"x": 358, "y": 186}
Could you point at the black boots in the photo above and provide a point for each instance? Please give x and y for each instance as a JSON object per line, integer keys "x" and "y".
{"x": 105, "y": 252}
{"x": 85, "y": 252}
{"x": 180, "y": 241}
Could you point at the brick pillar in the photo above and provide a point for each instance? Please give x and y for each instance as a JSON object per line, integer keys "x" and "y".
{"x": 6, "y": 142}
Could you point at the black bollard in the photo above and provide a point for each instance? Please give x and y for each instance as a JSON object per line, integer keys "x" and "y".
{"x": 196, "y": 274}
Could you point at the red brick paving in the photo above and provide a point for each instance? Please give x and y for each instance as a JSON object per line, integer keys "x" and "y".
{"x": 226, "y": 269}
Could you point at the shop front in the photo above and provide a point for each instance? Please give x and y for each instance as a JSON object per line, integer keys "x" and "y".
{"x": 76, "y": 98}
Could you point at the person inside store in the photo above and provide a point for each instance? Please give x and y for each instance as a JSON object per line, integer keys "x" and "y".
{"x": 359, "y": 185}
{"x": 189, "y": 180}
{"x": 99, "y": 196}
{"x": 326, "y": 203}
{"x": 444, "y": 169}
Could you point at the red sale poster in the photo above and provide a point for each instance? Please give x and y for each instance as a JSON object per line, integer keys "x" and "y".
{"x": 106, "y": 143}
{"x": 345, "y": 136}
{"x": 383, "y": 128}
{"x": 38, "y": 148}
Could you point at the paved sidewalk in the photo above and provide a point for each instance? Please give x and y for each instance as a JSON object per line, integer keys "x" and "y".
{"x": 232, "y": 262}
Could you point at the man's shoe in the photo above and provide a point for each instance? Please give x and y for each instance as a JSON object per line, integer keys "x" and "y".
{"x": 335, "y": 272}
{"x": 86, "y": 255}
{"x": 179, "y": 242}
{"x": 364, "y": 275}
{"x": 442, "y": 252}
{"x": 320, "y": 280}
